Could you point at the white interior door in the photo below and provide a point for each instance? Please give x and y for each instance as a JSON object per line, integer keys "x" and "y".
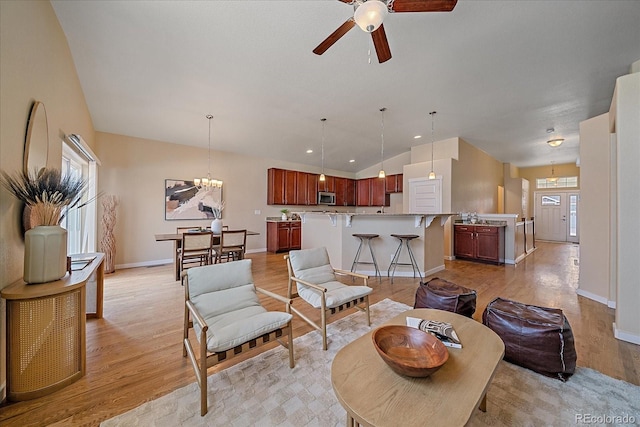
{"x": 425, "y": 195}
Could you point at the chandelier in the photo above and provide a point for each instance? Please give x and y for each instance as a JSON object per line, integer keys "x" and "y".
{"x": 207, "y": 182}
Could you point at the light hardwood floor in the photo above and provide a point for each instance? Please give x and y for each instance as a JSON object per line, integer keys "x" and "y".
{"x": 134, "y": 353}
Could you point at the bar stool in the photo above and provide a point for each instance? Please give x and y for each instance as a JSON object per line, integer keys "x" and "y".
{"x": 365, "y": 240}
{"x": 404, "y": 238}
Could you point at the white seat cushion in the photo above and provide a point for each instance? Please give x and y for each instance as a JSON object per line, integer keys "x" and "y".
{"x": 225, "y": 296}
{"x": 337, "y": 294}
{"x": 237, "y": 327}
{"x": 312, "y": 265}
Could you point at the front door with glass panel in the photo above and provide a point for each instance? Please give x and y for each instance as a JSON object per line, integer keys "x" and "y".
{"x": 557, "y": 216}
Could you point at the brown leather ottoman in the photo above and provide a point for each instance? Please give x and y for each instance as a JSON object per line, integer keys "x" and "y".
{"x": 537, "y": 338}
{"x": 444, "y": 295}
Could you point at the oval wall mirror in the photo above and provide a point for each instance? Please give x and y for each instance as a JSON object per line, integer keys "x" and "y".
{"x": 36, "y": 145}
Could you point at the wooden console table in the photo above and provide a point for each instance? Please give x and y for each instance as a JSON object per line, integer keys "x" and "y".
{"x": 46, "y": 330}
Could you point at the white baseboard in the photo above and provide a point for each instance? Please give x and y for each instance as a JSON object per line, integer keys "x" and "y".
{"x": 449, "y": 258}
{"x": 434, "y": 270}
{"x": 625, "y": 336}
{"x": 592, "y": 296}
{"x": 145, "y": 263}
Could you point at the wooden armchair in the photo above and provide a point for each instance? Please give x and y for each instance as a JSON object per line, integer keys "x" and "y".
{"x": 316, "y": 283}
{"x": 222, "y": 307}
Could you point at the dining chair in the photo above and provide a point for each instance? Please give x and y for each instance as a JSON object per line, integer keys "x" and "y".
{"x": 232, "y": 245}
{"x": 196, "y": 249}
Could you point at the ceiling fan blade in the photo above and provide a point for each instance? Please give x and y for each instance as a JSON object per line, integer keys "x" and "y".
{"x": 423, "y": 5}
{"x": 382, "y": 45}
{"x": 334, "y": 37}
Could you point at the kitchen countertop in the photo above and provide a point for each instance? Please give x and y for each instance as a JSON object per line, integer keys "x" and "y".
{"x": 278, "y": 219}
{"x": 482, "y": 224}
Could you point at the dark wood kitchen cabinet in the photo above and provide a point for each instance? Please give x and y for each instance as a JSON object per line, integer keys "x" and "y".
{"x": 371, "y": 192}
{"x": 284, "y": 235}
{"x": 287, "y": 187}
{"x": 328, "y": 185}
{"x": 281, "y": 187}
{"x": 306, "y": 189}
{"x": 394, "y": 183}
{"x": 345, "y": 191}
{"x": 479, "y": 242}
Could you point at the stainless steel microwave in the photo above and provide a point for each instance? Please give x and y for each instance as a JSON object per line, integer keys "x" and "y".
{"x": 326, "y": 198}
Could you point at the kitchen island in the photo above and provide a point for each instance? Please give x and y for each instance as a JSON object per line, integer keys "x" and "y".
{"x": 335, "y": 232}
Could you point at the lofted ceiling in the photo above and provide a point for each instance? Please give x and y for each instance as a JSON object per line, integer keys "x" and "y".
{"x": 498, "y": 73}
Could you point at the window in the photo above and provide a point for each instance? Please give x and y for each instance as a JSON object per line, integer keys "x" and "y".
{"x": 557, "y": 182}
{"x": 551, "y": 200}
{"x": 81, "y": 223}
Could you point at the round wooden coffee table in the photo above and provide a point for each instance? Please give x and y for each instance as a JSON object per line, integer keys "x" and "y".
{"x": 374, "y": 395}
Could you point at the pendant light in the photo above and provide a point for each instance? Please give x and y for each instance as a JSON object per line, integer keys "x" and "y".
{"x": 208, "y": 183}
{"x": 553, "y": 178}
{"x": 322, "y": 177}
{"x": 432, "y": 174}
{"x": 381, "y": 174}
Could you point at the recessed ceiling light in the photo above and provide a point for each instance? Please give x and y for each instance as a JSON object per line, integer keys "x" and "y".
{"x": 352, "y": 160}
{"x": 417, "y": 137}
{"x": 309, "y": 151}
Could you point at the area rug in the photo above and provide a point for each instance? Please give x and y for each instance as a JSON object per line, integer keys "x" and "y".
{"x": 263, "y": 391}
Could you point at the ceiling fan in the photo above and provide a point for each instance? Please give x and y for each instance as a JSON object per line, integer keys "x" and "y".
{"x": 369, "y": 14}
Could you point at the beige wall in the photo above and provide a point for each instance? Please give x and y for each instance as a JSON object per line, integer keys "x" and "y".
{"x": 628, "y": 206}
{"x": 475, "y": 180}
{"x": 594, "y": 209}
{"x": 35, "y": 64}
{"x": 134, "y": 170}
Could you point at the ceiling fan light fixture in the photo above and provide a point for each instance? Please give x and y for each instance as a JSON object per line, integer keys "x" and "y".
{"x": 370, "y": 14}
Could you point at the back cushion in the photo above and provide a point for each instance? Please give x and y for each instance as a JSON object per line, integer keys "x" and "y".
{"x": 217, "y": 277}
{"x": 312, "y": 265}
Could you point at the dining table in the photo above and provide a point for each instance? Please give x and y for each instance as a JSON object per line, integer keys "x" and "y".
{"x": 176, "y": 238}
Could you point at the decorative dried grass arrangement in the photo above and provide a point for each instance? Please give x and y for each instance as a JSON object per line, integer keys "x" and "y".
{"x": 46, "y": 192}
{"x": 108, "y": 241}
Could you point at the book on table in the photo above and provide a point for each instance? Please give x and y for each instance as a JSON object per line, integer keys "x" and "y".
{"x": 442, "y": 330}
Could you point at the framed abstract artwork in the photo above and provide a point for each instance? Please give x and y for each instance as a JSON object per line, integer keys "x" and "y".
{"x": 185, "y": 200}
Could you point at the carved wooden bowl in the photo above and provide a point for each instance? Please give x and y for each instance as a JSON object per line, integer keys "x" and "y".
{"x": 409, "y": 351}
